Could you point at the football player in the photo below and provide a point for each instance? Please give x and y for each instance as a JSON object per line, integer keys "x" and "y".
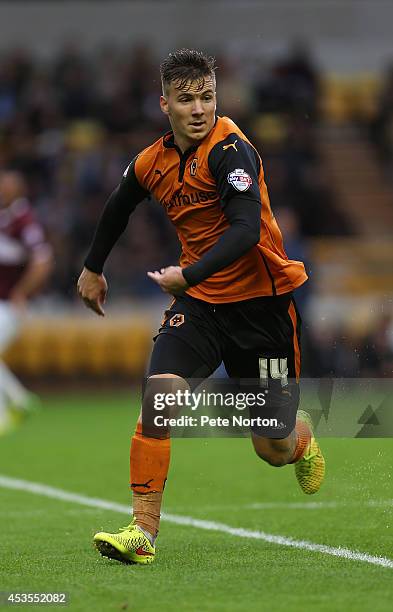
{"x": 233, "y": 287}
{"x": 25, "y": 264}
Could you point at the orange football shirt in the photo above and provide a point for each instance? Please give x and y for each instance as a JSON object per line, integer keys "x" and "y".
{"x": 192, "y": 188}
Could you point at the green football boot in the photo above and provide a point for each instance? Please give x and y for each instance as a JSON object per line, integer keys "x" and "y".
{"x": 310, "y": 470}
{"x": 130, "y": 545}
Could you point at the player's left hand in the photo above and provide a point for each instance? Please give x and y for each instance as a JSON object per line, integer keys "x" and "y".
{"x": 171, "y": 279}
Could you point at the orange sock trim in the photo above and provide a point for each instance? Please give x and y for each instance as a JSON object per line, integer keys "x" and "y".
{"x": 149, "y": 462}
{"x": 303, "y": 437}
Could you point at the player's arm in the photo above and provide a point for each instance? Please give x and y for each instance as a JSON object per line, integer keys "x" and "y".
{"x": 39, "y": 266}
{"x": 92, "y": 286}
{"x": 241, "y": 204}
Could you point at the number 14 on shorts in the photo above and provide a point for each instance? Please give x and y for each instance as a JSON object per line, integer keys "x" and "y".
{"x": 277, "y": 368}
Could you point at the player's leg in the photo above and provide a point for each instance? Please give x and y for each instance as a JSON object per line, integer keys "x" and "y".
{"x": 150, "y": 444}
{"x": 276, "y": 443}
{"x": 299, "y": 447}
{"x": 277, "y": 365}
{"x": 283, "y": 445}
{"x": 281, "y": 451}
{"x": 4, "y": 416}
{"x": 13, "y": 395}
{"x": 178, "y": 355}
{"x": 149, "y": 464}
{"x": 185, "y": 350}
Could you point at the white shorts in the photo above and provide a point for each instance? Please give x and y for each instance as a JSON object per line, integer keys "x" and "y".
{"x": 10, "y": 324}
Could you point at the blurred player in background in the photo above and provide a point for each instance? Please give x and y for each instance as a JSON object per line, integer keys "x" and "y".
{"x": 233, "y": 288}
{"x": 25, "y": 265}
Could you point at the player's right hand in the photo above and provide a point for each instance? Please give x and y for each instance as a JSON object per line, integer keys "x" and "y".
{"x": 92, "y": 288}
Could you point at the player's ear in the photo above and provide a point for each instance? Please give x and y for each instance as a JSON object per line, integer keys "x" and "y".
{"x": 164, "y": 105}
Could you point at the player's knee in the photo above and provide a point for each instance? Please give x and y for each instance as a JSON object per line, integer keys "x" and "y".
{"x": 274, "y": 452}
{"x": 276, "y": 460}
{"x": 157, "y": 389}
{"x": 273, "y": 459}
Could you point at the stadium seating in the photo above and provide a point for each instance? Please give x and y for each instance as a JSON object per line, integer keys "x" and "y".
{"x": 78, "y": 347}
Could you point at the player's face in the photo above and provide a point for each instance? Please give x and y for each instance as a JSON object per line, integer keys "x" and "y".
{"x": 191, "y": 110}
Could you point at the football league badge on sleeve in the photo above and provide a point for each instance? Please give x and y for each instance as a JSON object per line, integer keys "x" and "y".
{"x": 239, "y": 179}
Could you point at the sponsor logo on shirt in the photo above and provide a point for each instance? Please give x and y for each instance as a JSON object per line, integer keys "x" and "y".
{"x": 239, "y": 179}
{"x": 184, "y": 199}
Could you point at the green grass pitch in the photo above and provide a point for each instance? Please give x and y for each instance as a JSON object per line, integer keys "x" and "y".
{"x": 81, "y": 444}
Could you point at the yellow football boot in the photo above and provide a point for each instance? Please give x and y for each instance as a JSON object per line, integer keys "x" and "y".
{"x": 130, "y": 545}
{"x": 310, "y": 470}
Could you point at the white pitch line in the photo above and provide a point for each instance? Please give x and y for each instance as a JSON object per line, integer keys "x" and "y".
{"x": 293, "y": 505}
{"x": 377, "y": 503}
{"x": 345, "y": 553}
{"x": 309, "y": 505}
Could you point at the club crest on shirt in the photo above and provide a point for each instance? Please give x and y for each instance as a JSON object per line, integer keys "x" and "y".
{"x": 194, "y": 166}
{"x": 176, "y": 320}
{"x": 239, "y": 179}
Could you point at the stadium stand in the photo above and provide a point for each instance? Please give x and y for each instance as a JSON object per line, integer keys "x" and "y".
{"x": 71, "y": 126}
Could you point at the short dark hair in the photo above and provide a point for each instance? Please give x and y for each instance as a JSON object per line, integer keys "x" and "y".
{"x": 186, "y": 65}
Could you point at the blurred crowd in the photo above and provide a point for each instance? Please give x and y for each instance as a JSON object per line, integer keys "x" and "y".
{"x": 381, "y": 126}
{"x": 71, "y": 125}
